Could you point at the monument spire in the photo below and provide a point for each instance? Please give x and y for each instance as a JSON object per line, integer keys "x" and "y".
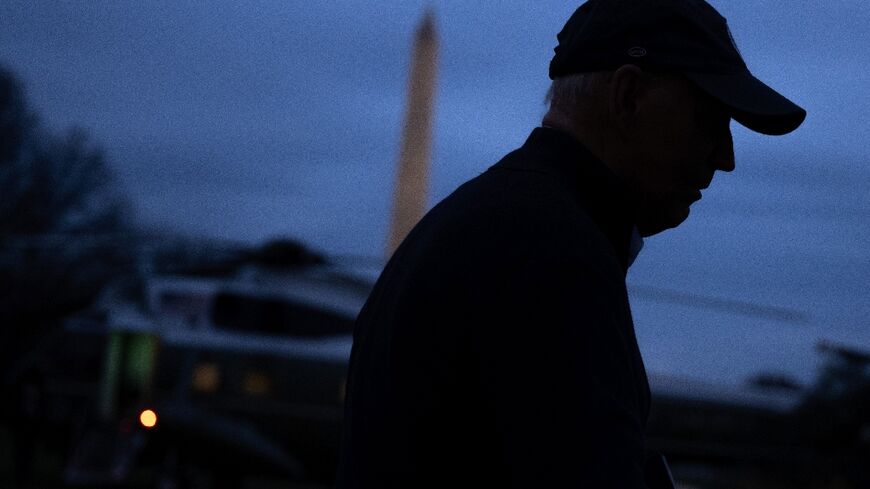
{"x": 412, "y": 178}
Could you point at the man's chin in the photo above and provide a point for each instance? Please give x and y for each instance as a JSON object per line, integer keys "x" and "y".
{"x": 651, "y": 224}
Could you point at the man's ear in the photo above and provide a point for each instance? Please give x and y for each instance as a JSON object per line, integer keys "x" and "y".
{"x": 625, "y": 90}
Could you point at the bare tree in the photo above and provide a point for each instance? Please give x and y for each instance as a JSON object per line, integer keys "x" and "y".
{"x": 63, "y": 224}
{"x": 15, "y": 121}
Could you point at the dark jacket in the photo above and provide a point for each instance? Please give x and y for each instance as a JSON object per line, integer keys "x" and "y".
{"x": 497, "y": 347}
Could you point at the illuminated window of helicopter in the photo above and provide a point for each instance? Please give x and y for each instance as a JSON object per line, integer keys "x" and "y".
{"x": 206, "y": 378}
{"x": 257, "y": 383}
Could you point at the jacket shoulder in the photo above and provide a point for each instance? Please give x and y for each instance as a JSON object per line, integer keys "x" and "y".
{"x": 509, "y": 214}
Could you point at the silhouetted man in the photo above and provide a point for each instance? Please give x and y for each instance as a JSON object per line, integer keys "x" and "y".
{"x": 497, "y": 348}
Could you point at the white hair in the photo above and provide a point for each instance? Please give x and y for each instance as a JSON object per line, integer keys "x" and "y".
{"x": 583, "y": 95}
{"x": 570, "y": 93}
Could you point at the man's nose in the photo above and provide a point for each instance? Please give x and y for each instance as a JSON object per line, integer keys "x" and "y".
{"x": 723, "y": 156}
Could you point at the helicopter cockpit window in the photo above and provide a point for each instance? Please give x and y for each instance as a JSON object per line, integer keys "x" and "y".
{"x": 192, "y": 308}
{"x": 274, "y": 316}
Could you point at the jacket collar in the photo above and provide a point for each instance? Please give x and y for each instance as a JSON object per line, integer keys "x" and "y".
{"x": 600, "y": 192}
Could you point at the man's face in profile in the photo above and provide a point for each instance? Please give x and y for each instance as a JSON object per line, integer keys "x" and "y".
{"x": 682, "y": 137}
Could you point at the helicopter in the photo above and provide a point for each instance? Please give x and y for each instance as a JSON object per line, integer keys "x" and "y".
{"x": 244, "y": 373}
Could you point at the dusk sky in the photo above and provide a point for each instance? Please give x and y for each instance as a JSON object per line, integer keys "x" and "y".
{"x": 251, "y": 120}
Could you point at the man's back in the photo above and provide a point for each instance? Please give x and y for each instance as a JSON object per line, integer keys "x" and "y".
{"x": 497, "y": 347}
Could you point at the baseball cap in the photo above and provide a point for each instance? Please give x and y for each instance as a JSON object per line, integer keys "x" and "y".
{"x": 681, "y": 36}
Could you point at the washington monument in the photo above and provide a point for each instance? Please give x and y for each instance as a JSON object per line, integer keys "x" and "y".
{"x": 413, "y": 174}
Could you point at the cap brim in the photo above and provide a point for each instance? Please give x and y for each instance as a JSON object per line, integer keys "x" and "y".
{"x": 752, "y": 103}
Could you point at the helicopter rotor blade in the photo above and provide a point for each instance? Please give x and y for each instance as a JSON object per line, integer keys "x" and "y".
{"x": 729, "y": 306}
